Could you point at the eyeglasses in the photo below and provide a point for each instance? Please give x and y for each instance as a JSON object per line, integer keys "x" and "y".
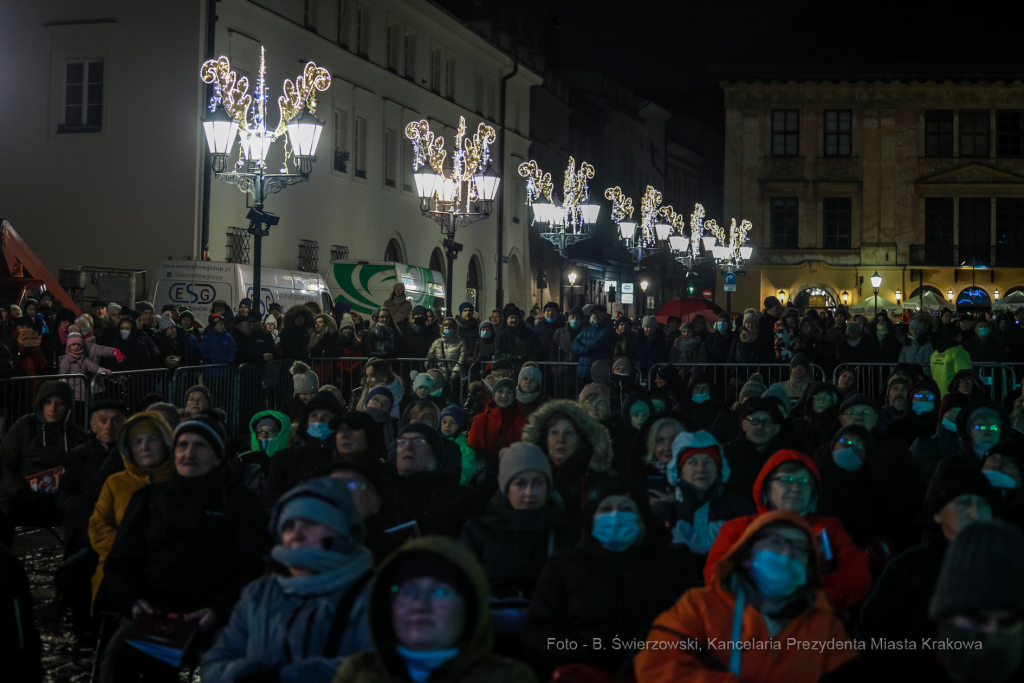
{"x": 410, "y": 593}
{"x": 778, "y": 544}
{"x": 853, "y": 413}
{"x": 823, "y": 398}
{"x": 266, "y": 433}
{"x": 849, "y": 442}
{"x": 787, "y": 480}
{"x": 355, "y": 485}
{"x": 758, "y": 423}
{"x": 402, "y": 443}
{"x": 924, "y": 397}
{"x": 985, "y": 428}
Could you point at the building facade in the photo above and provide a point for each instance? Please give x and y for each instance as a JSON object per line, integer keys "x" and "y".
{"x": 113, "y": 176}
{"x": 848, "y": 174}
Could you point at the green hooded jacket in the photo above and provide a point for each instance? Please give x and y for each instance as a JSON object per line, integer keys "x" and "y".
{"x": 281, "y": 441}
{"x": 252, "y": 468}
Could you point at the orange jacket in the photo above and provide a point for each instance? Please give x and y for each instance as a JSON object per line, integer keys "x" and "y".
{"x": 705, "y": 616}
{"x": 848, "y": 585}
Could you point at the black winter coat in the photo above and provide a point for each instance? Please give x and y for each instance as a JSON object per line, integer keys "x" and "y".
{"x": 416, "y": 341}
{"x": 898, "y": 605}
{"x": 514, "y": 545}
{"x": 517, "y": 344}
{"x": 745, "y": 463}
{"x": 646, "y": 352}
{"x": 589, "y": 592}
{"x": 438, "y": 505}
{"x": 289, "y": 466}
{"x": 718, "y": 346}
{"x": 183, "y": 345}
{"x": 252, "y": 346}
{"x": 86, "y": 469}
{"x": 855, "y": 497}
{"x": 746, "y": 353}
{"x": 140, "y": 353}
{"x": 545, "y": 332}
{"x": 294, "y": 342}
{"x": 20, "y": 646}
{"x": 188, "y": 544}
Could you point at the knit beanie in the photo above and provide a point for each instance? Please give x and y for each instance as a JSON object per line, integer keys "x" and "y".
{"x": 576, "y": 310}
{"x": 650, "y": 321}
{"x": 487, "y": 325}
{"x": 595, "y": 388}
{"x": 552, "y": 305}
{"x": 530, "y": 371}
{"x": 688, "y": 444}
{"x": 112, "y": 306}
{"x": 165, "y": 322}
{"x": 380, "y": 390}
{"x": 75, "y": 338}
{"x": 622, "y": 365}
{"x": 303, "y": 379}
{"x": 953, "y": 479}
{"x": 983, "y": 570}
{"x": 753, "y": 388}
{"x": 327, "y": 501}
{"x": 464, "y": 305}
{"x": 346, "y": 321}
{"x": 750, "y": 316}
{"x": 518, "y": 458}
{"x": 208, "y": 427}
{"x": 504, "y": 384}
{"x": 455, "y": 412}
{"x": 778, "y": 392}
{"x": 201, "y": 389}
{"x": 800, "y": 359}
{"x": 761, "y": 404}
{"x": 423, "y": 380}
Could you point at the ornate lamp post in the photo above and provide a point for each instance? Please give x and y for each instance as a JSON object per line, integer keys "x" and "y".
{"x": 571, "y": 222}
{"x": 730, "y": 253}
{"x": 657, "y": 222}
{"x": 234, "y": 112}
{"x": 876, "y": 283}
{"x": 454, "y": 194}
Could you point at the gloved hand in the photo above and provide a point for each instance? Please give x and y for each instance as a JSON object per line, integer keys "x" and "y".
{"x": 119, "y": 356}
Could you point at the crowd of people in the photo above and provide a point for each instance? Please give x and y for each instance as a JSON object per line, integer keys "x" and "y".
{"x": 380, "y": 531}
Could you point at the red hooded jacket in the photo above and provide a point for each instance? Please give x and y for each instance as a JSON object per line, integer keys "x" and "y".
{"x": 847, "y": 585}
{"x": 497, "y": 427}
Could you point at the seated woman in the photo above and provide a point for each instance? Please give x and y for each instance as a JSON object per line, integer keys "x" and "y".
{"x": 377, "y": 372}
{"x": 529, "y": 391}
{"x": 429, "y": 619}
{"x": 657, "y": 436}
{"x": 145, "y": 445}
{"x": 301, "y": 620}
{"x": 790, "y": 481}
{"x": 617, "y": 578}
{"x": 699, "y": 505}
{"x": 765, "y": 587}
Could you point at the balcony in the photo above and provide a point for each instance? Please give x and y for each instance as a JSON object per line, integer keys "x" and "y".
{"x": 964, "y": 256}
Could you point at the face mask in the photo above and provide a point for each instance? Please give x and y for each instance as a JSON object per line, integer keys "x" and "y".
{"x": 264, "y": 444}
{"x": 847, "y": 459}
{"x": 574, "y": 324}
{"x": 617, "y": 530}
{"x": 700, "y": 398}
{"x": 777, "y": 576}
{"x": 882, "y": 333}
{"x": 593, "y": 320}
{"x": 921, "y": 407}
{"x": 549, "y": 318}
{"x": 722, "y": 327}
{"x": 853, "y": 342}
{"x": 486, "y": 334}
{"x": 318, "y": 430}
{"x": 949, "y": 424}
{"x": 983, "y": 331}
{"x": 125, "y": 333}
{"x": 981, "y": 448}
{"x": 449, "y": 332}
{"x": 1000, "y": 480}
{"x": 993, "y": 657}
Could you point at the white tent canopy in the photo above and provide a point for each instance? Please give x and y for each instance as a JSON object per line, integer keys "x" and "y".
{"x": 931, "y": 302}
{"x": 867, "y": 306}
{"x": 1013, "y": 300}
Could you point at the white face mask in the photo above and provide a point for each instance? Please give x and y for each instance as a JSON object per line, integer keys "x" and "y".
{"x": 125, "y": 333}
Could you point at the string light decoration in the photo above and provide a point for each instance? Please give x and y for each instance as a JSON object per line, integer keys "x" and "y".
{"x": 538, "y": 183}
{"x": 569, "y": 223}
{"x": 657, "y": 223}
{"x": 731, "y": 251}
{"x": 426, "y": 149}
{"x": 622, "y": 207}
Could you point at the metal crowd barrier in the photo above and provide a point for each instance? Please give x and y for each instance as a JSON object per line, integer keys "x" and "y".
{"x": 871, "y": 377}
{"x": 18, "y": 396}
{"x": 131, "y": 386}
{"x": 727, "y": 379}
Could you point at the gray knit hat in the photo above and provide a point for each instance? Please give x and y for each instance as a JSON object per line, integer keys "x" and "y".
{"x": 303, "y": 378}
{"x": 753, "y": 388}
{"x": 518, "y": 458}
{"x": 779, "y": 393}
{"x": 750, "y": 316}
{"x": 983, "y": 570}
{"x": 650, "y": 321}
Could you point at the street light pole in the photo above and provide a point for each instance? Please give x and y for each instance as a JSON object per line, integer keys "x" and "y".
{"x": 876, "y": 283}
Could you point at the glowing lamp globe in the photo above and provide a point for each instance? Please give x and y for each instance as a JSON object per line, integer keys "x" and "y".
{"x": 627, "y": 229}
{"x": 590, "y": 213}
{"x": 709, "y": 242}
{"x": 679, "y": 243}
{"x": 256, "y": 144}
{"x": 662, "y": 229}
{"x": 876, "y": 280}
{"x": 487, "y": 184}
{"x": 746, "y": 252}
{"x": 304, "y": 133}
{"x": 426, "y": 182}
{"x": 220, "y": 131}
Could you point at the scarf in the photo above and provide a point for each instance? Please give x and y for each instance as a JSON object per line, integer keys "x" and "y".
{"x": 333, "y": 570}
{"x": 689, "y": 346}
{"x": 385, "y": 338}
{"x": 76, "y": 356}
{"x": 399, "y": 393}
{"x": 421, "y": 664}
{"x": 747, "y": 337}
{"x": 524, "y": 397}
{"x": 63, "y": 334}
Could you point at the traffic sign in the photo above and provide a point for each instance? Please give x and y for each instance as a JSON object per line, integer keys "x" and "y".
{"x": 730, "y": 278}
{"x": 707, "y": 293}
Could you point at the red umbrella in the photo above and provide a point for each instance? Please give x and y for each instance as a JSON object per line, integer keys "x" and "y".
{"x": 688, "y": 309}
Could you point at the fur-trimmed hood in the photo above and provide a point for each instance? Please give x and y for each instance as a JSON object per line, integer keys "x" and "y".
{"x": 591, "y": 430}
{"x": 330, "y": 328}
{"x": 294, "y": 312}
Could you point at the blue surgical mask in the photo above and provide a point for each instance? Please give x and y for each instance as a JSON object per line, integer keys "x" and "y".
{"x": 777, "y": 576}
{"x": 700, "y": 398}
{"x": 549, "y": 318}
{"x": 921, "y": 407}
{"x": 722, "y": 326}
{"x": 318, "y": 430}
{"x": 485, "y": 334}
{"x": 847, "y": 459}
{"x": 949, "y": 424}
{"x": 125, "y": 333}
{"x": 617, "y": 530}
{"x": 449, "y": 332}
{"x": 1000, "y": 480}
{"x": 981, "y": 448}
{"x": 982, "y": 331}
{"x": 574, "y": 324}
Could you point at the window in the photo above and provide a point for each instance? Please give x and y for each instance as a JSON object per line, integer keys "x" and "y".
{"x": 974, "y": 133}
{"x": 408, "y": 184}
{"x": 785, "y": 132}
{"x": 938, "y": 133}
{"x": 409, "y": 56}
{"x": 309, "y": 14}
{"x": 838, "y": 223}
{"x": 362, "y": 30}
{"x": 449, "y": 76}
{"x": 391, "y": 252}
{"x": 975, "y": 223}
{"x": 1010, "y": 223}
{"x": 938, "y": 222}
{"x": 436, "y": 55}
{"x": 391, "y": 49}
{"x": 1009, "y": 133}
{"x": 83, "y": 97}
{"x": 341, "y": 24}
{"x": 489, "y": 99}
{"x": 341, "y": 155}
{"x": 390, "y": 156}
{"x": 359, "y": 145}
{"x": 838, "y": 133}
{"x": 784, "y": 223}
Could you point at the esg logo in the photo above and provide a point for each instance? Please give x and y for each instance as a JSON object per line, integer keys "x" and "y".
{"x": 191, "y": 293}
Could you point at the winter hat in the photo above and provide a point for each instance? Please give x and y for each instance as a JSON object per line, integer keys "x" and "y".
{"x": 418, "y": 564}
{"x": 841, "y": 310}
{"x": 201, "y": 389}
{"x": 75, "y": 338}
{"x": 554, "y": 306}
{"x": 239, "y": 319}
{"x": 753, "y": 388}
{"x": 576, "y": 310}
{"x": 952, "y": 400}
{"x": 185, "y": 313}
{"x": 82, "y": 322}
{"x": 852, "y": 328}
{"x": 858, "y": 400}
{"x": 530, "y": 371}
{"x": 688, "y": 444}
{"x": 325, "y": 500}
{"x": 346, "y": 321}
{"x": 455, "y": 412}
{"x": 333, "y": 391}
{"x": 464, "y": 305}
{"x": 432, "y": 436}
{"x": 111, "y": 307}
{"x": 952, "y": 479}
{"x": 650, "y": 321}
{"x": 487, "y": 325}
{"x": 207, "y": 426}
{"x": 750, "y": 316}
{"x": 919, "y": 325}
{"x": 245, "y": 302}
{"x": 800, "y": 359}
{"x": 500, "y": 365}
{"x": 510, "y": 309}
{"x": 778, "y": 392}
{"x": 595, "y": 388}
{"x": 423, "y": 380}
{"x": 303, "y": 379}
{"x": 165, "y": 322}
{"x": 518, "y": 458}
{"x": 505, "y": 384}
{"x": 689, "y": 326}
{"x": 143, "y": 423}
{"x": 269, "y": 422}
{"x": 771, "y": 302}
{"x": 761, "y": 404}
{"x": 587, "y": 310}
{"x": 622, "y": 364}
{"x": 380, "y": 390}
{"x": 983, "y": 570}
{"x": 792, "y": 313}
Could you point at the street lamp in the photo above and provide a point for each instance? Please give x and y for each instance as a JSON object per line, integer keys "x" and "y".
{"x": 644, "y": 284}
{"x": 782, "y": 296}
{"x": 899, "y": 295}
{"x": 876, "y": 282}
{"x": 459, "y": 193}
{"x": 234, "y": 112}
{"x": 846, "y": 297}
{"x": 571, "y": 222}
{"x": 572, "y": 287}
{"x": 657, "y": 222}
{"x": 995, "y": 293}
{"x": 949, "y": 295}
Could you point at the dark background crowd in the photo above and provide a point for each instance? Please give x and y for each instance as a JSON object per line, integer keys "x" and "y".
{"x": 543, "y": 496}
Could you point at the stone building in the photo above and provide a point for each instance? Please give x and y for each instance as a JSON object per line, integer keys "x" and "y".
{"x": 845, "y": 171}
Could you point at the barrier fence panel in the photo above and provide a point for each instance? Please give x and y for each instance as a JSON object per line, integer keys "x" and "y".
{"x": 219, "y": 379}
{"x": 18, "y": 395}
{"x": 727, "y": 379}
{"x": 871, "y": 377}
{"x": 131, "y": 386}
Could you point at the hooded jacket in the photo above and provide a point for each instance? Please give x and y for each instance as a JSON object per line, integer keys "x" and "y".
{"x": 709, "y": 613}
{"x": 31, "y": 446}
{"x": 561, "y": 344}
{"x": 400, "y": 309}
{"x": 856, "y": 498}
{"x": 847, "y": 585}
{"x": 627, "y": 453}
{"x": 86, "y": 469}
{"x": 295, "y": 339}
{"x": 592, "y": 460}
{"x": 946, "y": 361}
{"x": 117, "y": 492}
{"x": 917, "y": 349}
{"x": 88, "y": 365}
{"x": 596, "y": 342}
{"x": 324, "y": 344}
{"x": 963, "y": 430}
{"x": 140, "y": 352}
{"x": 812, "y": 429}
{"x": 473, "y": 664}
{"x": 290, "y": 465}
{"x": 545, "y": 332}
{"x": 252, "y": 468}
{"x": 497, "y": 427}
{"x": 282, "y": 622}
{"x": 183, "y": 345}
